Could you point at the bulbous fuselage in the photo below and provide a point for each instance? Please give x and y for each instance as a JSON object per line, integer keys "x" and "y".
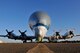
{"x": 39, "y": 22}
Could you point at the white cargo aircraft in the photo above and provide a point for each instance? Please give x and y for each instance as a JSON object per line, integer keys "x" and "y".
{"x": 39, "y": 23}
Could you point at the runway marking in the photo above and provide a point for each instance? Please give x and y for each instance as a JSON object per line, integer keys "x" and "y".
{"x": 40, "y": 48}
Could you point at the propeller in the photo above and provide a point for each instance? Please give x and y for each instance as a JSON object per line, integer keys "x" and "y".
{"x": 23, "y": 32}
{"x": 71, "y": 29}
{"x": 57, "y": 34}
{"x": 9, "y": 32}
{"x": 23, "y": 35}
{"x": 57, "y": 31}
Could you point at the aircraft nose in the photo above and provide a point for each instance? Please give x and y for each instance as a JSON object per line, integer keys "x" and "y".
{"x": 40, "y": 32}
{"x": 37, "y": 32}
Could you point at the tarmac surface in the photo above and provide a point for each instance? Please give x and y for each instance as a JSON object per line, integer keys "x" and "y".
{"x": 40, "y": 47}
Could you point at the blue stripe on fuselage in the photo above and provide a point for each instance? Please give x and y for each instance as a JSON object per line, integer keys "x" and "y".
{"x": 40, "y": 24}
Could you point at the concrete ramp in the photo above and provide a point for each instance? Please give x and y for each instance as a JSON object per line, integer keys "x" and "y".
{"x": 40, "y": 48}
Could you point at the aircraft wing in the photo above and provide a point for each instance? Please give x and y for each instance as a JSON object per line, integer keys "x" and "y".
{"x": 3, "y": 35}
{"x": 32, "y": 37}
{"x": 28, "y": 37}
{"x": 19, "y": 37}
{"x": 23, "y": 37}
{"x": 46, "y": 37}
